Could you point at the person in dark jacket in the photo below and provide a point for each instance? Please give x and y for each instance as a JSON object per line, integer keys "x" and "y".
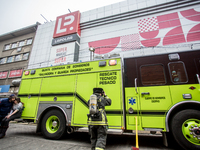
{"x": 98, "y": 123}
{"x": 15, "y": 112}
{"x": 5, "y": 106}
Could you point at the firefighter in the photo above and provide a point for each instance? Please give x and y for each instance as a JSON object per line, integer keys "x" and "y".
{"x": 97, "y": 122}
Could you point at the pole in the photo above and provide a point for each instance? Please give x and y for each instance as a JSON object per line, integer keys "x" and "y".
{"x": 136, "y": 131}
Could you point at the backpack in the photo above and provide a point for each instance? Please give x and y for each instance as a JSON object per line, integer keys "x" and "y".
{"x": 94, "y": 112}
{"x": 93, "y": 109}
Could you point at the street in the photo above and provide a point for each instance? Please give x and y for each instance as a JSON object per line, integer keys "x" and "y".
{"x": 23, "y": 136}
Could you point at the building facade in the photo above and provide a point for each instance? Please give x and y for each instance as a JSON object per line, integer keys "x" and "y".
{"x": 15, "y": 49}
{"x": 129, "y": 28}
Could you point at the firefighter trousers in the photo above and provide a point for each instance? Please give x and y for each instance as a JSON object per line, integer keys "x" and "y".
{"x": 98, "y": 136}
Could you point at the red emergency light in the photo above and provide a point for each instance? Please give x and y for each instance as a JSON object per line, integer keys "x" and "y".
{"x": 27, "y": 72}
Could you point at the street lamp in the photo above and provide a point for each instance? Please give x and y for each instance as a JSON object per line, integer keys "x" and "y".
{"x": 92, "y": 49}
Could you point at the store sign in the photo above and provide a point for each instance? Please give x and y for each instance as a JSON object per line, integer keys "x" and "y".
{"x": 3, "y": 75}
{"x": 66, "y": 39}
{"x": 4, "y": 88}
{"x": 64, "y": 54}
{"x": 67, "y": 24}
{"x": 15, "y": 73}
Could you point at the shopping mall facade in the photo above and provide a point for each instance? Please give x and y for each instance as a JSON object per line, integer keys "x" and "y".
{"x": 129, "y": 28}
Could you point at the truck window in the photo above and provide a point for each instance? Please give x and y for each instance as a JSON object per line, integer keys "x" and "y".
{"x": 177, "y": 72}
{"x": 153, "y": 74}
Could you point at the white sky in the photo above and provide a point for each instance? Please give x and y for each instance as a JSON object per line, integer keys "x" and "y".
{"x": 17, "y": 14}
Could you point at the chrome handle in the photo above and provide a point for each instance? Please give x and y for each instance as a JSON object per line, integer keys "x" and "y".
{"x": 198, "y": 78}
{"x": 136, "y": 85}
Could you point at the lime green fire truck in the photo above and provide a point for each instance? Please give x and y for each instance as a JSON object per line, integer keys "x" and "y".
{"x": 163, "y": 91}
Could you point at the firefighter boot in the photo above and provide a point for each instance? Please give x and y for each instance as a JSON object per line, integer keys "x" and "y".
{"x": 3, "y": 132}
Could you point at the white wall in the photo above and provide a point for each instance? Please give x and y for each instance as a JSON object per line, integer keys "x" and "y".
{"x": 42, "y": 45}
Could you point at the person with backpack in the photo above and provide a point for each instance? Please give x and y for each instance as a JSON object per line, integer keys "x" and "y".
{"x": 97, "y": 120}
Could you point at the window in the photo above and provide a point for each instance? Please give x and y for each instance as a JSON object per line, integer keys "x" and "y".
{"x": 29, "y": 41}
{"x": 21, "y": 43}
{"x": 3, "y": 60}
{"x": 7, "y": 47}
{"x": 10, "y": 59}
{"x": 177, "y": 72}
{"x": 18, "y": 57}
{"x": 19, "y": 49}
{"x": 25, "y": 56}
{"x": 153, "y": 75}
{"x": 14, "y": 45}
{"x": 18, "y": 44}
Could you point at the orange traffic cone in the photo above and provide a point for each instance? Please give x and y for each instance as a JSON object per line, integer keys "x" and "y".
{"x": 136, "y": 130}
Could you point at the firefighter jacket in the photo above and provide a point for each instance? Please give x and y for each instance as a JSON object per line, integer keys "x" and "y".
{"x": 100, "y": 117}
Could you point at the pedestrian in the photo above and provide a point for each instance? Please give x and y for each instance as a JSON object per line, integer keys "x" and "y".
{"x": 15, "y": 112}
{"x": 5, "y": 106}
{"x": 97, "y": 122}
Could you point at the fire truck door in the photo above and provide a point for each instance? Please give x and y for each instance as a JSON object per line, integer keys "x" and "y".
{"x": 110, "y": 81}
{"x": 132, "y": 103}
{"x": 30, "y": 93}
{"x": 84, "y": 88}
{"x": 154, "y": 95}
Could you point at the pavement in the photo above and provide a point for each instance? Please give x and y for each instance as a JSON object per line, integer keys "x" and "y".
{"x": 23, "y": 136}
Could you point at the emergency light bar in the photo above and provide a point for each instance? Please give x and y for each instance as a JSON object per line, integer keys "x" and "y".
{"x": 174, "y": 56}
{"x": 27, "y": 72}
{"x": 112, "y": 62}
{"x": 33, "y": 71}
{"x": 102, "y": 63}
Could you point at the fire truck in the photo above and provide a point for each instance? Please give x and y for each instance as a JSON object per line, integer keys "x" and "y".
{"x": 163, "y": 91}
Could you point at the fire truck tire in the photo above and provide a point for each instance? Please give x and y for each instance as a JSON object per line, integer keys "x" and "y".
{"x": 53, "y": 125}
{"x": 185, "y": 128}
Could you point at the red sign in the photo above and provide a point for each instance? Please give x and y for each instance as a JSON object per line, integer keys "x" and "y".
{"x": 3, "y": 75}
{"x": 15, "y": 73}
{"x": 67, "y": 24}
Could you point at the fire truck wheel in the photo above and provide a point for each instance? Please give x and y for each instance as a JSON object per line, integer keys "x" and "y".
{"x": 53, "y": 124}
{"x": 185, "y": 128}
